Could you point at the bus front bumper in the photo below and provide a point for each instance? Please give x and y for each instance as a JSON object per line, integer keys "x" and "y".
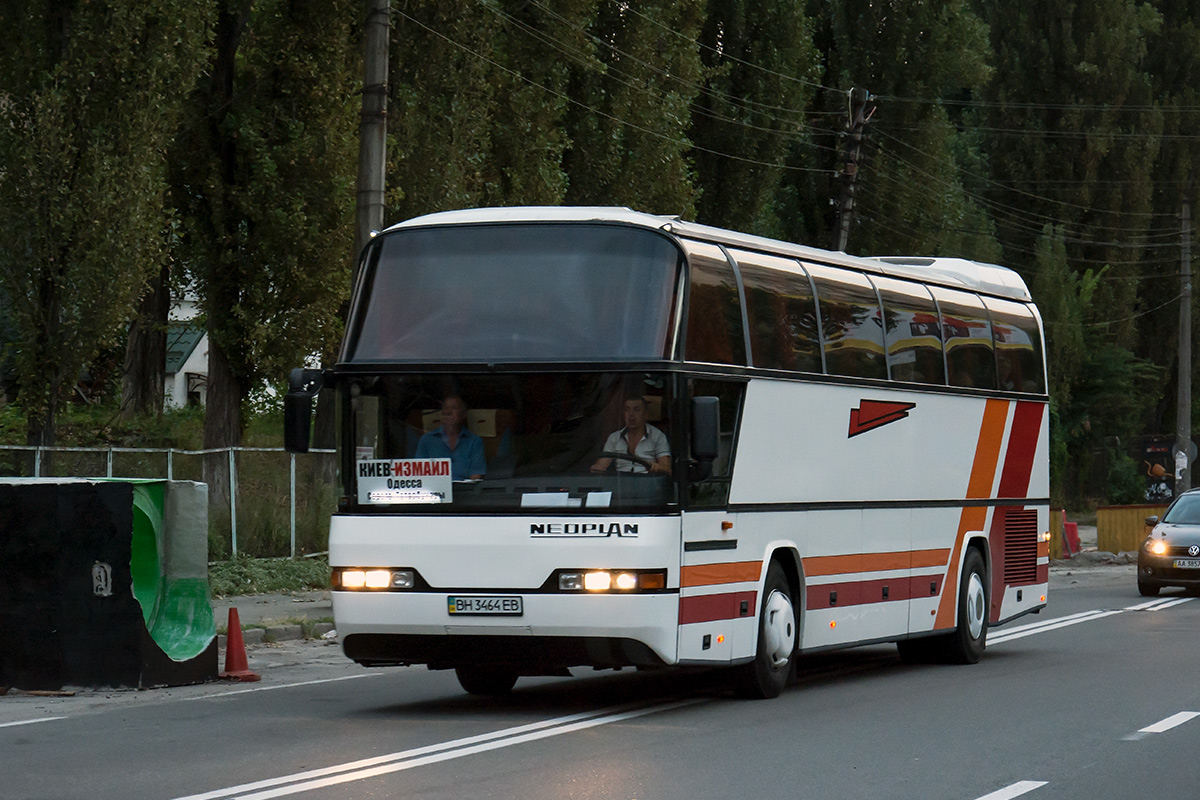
{"x": 553, "y": 631}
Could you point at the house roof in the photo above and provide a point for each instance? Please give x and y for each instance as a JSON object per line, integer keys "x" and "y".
{"x": 182, "y": 338}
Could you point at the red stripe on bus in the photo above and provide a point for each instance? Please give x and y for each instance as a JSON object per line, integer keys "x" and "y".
{"x": 1022, "y": 444}
{"x": 713, "y": 607}
{"x": 857, "y": 593}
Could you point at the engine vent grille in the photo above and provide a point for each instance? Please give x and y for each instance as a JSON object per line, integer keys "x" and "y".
{"x": 1020, "y": 547}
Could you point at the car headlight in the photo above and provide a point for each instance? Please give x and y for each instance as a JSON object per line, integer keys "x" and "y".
{"x": 1156, "y": 546}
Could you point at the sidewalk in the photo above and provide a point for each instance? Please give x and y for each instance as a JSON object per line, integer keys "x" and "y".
{"x": 277, "y": 617}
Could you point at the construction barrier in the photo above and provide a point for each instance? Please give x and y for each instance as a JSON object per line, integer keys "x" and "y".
{"x": 105, "y": 583}
{"x": 1123, "y": 528}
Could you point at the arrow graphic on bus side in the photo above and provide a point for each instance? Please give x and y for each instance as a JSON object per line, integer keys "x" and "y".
{"x": 872, "y": 414}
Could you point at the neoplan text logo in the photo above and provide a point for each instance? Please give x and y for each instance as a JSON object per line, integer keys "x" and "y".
{"x": 872, "y": 414}
{"x": 602, "y": 530}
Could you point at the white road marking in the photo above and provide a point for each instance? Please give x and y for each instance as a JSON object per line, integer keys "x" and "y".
{"x": 216, "y": 695}
{"x": 1170, "y": 722}
{"x": 1169, "y": 603}
{"x": 1015, "y": 790}
{"x": 1050, "y": 625}
{"x": 1008, "y": 634}
{"x": 430, "y": 754}
{"x": 28, "y": 721}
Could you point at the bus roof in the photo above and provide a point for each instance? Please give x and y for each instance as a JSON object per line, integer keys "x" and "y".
{"x": 955, "y": 272}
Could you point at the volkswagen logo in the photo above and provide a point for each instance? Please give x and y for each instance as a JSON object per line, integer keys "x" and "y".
{"x": 1194, "y": 550}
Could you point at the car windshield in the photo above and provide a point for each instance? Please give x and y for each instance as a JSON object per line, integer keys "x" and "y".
{"x": 1185, "y": 511}
{"x": 436, "y": 443}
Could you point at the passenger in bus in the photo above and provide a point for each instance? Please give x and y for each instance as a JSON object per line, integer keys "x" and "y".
{"x": 645, "y": 443}
{"x": 452, "y": 440}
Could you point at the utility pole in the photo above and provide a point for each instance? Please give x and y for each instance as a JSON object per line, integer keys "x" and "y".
{"x": 858, "y": 114}
{"x": 372, "y": 162}
{"x": 372, "y": 129}
{"x": 1183, "y": 412}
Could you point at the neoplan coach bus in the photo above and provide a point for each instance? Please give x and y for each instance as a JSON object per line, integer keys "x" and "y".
{"x": 848, "y": 450}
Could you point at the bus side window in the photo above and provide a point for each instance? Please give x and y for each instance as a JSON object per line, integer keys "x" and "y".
{"x": 967, "y": 333}
{"x": 851, "y": 321}
{"x": 1018, "y": 346}
{"x": 912, "y": 332}
{"x": 711, "y": 490}
{"x": 714, "y": 324}
{"x": 782, "y": 315}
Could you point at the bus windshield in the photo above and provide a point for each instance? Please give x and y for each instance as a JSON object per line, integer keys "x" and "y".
{"x": 517, "y": 292}
{"x": 563, "y": 440}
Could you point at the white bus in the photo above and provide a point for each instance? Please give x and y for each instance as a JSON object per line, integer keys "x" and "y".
{"x": 801, "y": 450}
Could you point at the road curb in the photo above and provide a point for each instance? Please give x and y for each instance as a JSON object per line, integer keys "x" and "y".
{"x": 278, "y": 633}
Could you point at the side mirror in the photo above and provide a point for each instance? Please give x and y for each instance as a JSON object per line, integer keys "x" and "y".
{"x": 1151, "y": 520}
{"x": 706, "y": 428}
{"x": 303, "y": 385}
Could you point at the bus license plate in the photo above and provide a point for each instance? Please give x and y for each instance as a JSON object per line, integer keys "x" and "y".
{"x": 493, "y": 605}
{"x": 1187, "y": 563}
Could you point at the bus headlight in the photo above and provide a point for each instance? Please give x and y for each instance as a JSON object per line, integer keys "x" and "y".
{"x": 617, "y": 581}
{"x": 371, "y": 579}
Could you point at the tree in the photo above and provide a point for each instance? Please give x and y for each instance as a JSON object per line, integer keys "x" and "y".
{"x": 760, "y": 70}
{"x": 629, "y": 122}
{"x": 89, "y": 104}
{"x": 914, "y": 174}
{"x": 264, "y": 181}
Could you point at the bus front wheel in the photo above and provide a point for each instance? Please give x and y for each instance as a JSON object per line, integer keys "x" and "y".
{"x": 485, "y": 680}
{"x": 767, "y": 674}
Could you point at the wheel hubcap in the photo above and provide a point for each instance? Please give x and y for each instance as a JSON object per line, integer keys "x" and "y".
{"x": 976, "y": 605}
{"x": 779, "y": 628}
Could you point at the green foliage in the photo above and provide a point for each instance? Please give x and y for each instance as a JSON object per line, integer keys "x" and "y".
{"x": 264, "y": 182}
{"x": 89, "y": 104}
{"x": 260, "y": 575}
{"x": 1125, "y": 481}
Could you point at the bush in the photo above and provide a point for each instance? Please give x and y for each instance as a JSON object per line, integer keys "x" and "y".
{"x": 261, "y": 575}
{"x": 1126, "y": 484}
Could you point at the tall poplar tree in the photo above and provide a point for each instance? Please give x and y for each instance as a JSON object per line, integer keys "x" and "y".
{"x": 88, "y": 105}
{"x": 760, "y": 67}
{"x": 264, "y": 178}
{"x": 631, "y": 115}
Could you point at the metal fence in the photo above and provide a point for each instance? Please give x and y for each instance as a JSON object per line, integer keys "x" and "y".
{"x": 253, "y": 489}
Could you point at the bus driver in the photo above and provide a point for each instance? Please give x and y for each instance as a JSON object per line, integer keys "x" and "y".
{"x": 453, "y": 441}
{"x": 645, "y": 443}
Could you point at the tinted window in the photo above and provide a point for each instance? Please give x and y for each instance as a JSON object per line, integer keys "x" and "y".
{"x": 851, "y": 322}
{"x": 518, "y": 292}
{"x": 714, "y": 331}
{"x": 1018, "y": 347}
{"x": 911, "y": 331}
{"x": 709, "y": 489}
{"x": 968, "y": 338}
{"x": 782, "y": 315}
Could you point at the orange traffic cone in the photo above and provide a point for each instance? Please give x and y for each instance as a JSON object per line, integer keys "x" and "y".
{"x": 236, "y": 668}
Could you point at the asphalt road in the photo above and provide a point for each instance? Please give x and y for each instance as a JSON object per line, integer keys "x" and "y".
{"x": 1095, "y": 698}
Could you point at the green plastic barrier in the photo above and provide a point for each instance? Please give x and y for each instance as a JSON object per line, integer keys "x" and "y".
{"x": 169, "y": 565}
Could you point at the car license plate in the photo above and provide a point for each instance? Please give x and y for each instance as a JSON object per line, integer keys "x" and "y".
{"x": 486, "y": 604}
{"x": 1187, "y": 563}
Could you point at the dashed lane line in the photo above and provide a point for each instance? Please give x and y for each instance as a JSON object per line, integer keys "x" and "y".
{"x": 28, "y": 721}
{"x": 1175, "y": 720}
{"x": 1015, "y": 790}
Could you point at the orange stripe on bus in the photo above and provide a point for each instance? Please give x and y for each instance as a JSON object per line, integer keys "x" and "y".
{"x": 712, "y": 574}
{"x": 979, "y": 486}
{"x": 874, "y": 562}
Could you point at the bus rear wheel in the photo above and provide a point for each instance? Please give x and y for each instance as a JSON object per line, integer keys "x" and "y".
{"x": 768, "y": 673}
{"x": 489, "y": 681}
{"x": 966, "y": 644}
